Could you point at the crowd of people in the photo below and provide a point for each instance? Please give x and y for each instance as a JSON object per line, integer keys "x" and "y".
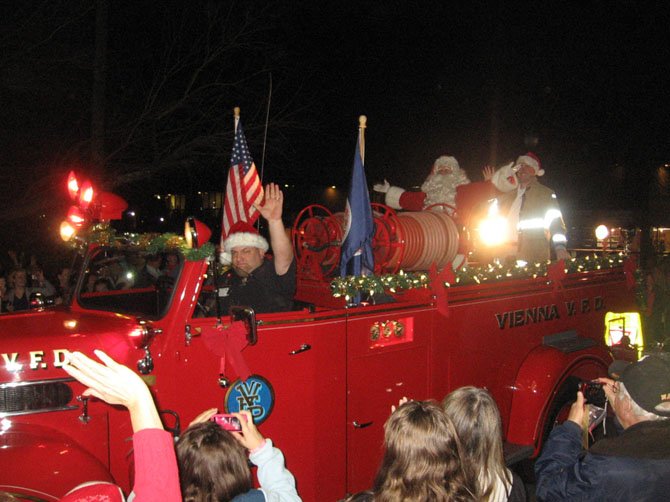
{"x": 21, "y": 280}
{"x": 25, "y": 283}
{"x": 432, "y": 452}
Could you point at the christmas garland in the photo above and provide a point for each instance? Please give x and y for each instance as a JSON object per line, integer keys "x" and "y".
{"x": 351, "y": 286}
{"x": 104, "y": 235}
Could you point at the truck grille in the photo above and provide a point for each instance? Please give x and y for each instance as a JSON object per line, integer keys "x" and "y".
{"x": 35, "y": 397}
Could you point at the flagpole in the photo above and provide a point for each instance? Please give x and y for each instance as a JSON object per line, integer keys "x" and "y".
{"x": 357, "y": 260}
{"x": 236, "y": 114}
{"x": 265, "y": 133}
{"x": 362, "y": 124}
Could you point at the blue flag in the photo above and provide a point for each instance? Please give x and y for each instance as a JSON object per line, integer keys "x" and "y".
{"x": 356, "y": 257}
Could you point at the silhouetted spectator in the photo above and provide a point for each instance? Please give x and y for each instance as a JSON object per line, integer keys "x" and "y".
{"x": 3, "y": 293}
{"x": 18, "y": 298}
{"x": 64, "y": 285}
{"x": 150, "y": 272}
{"x": 102, "y": 284}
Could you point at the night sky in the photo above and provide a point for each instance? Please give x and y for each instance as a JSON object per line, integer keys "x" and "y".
{"x": 583, "y": 85}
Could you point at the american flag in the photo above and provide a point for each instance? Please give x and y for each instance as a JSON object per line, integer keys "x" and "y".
{"x": 244, "y": 187}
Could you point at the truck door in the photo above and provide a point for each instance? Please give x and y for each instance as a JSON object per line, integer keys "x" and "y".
{"x": 301, "y": 357}
{"x": 388, "y": 358}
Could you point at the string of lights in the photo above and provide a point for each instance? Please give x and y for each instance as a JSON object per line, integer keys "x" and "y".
{"x": 350, "y": 286}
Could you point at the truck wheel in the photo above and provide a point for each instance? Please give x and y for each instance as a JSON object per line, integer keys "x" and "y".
{"x": 558, "y": 412}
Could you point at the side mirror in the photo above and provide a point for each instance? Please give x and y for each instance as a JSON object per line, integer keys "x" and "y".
{"x": 144, "y": 334}
{"x": 248, "y": 316}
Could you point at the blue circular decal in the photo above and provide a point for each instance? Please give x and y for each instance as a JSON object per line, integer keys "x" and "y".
{"x": 254, "y": 394}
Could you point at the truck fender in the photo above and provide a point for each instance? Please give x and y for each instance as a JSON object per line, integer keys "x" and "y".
{"x": 57, "y": 463}
{"x": 547, "y": 376}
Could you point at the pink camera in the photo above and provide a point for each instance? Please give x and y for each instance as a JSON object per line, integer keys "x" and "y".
{"x": 227, "y": 422}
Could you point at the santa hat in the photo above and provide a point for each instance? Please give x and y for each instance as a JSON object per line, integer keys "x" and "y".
{"x": 530, "y": 159}
{"x": 504, "y": 179}
{"x": 445, "y": 161}
{"x": 242, "y": 234}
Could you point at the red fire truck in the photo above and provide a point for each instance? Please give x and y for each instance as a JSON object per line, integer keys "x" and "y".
{"x": 322, "y": 377}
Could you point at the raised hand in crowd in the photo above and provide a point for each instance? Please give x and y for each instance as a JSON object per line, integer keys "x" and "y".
{"x": 401, "y": 401}
{"x": 115, "y": 383}
{"x": 156, "y": 474}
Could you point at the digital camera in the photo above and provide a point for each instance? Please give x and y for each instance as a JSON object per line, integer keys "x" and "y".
{"x": 227, "y": 422}
{"x": 593, "y": 393}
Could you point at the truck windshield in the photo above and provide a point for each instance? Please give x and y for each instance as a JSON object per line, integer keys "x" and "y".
{"x": 128, "y": 281}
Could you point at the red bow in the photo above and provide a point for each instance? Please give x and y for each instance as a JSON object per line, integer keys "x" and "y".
{"x": 228, "y": 342}
{"x": 629, "y": 269}
{"x": 438, "y": 288}
{"x": 556, "y": 273}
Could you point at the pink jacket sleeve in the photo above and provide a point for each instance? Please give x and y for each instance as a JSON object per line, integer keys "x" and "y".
{"x": 156, "y": 473}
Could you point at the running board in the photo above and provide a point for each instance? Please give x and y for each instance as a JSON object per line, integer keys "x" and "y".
{"x": 514, "y": 453}
{"x": 567, "y": 341}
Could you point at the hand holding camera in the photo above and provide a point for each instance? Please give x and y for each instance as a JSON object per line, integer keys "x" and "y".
{"x": 241, "y": 426}
{"x": 593, "y": 393}
{"x": 227, "y": 421}
{"x": 577, "y": 410}
{"x": 590, "y": 408}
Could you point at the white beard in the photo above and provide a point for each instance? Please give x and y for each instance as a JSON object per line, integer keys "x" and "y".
{"x": 440, "y": 188}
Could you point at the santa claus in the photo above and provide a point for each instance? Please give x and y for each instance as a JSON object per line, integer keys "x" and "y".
{"x": 448, "y": 184}
{"x": 439, "y": 187}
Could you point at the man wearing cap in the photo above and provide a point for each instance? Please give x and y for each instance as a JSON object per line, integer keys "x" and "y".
{"x": 256, "y": 281}
{"x": 535, "y": 222}
{"x": 635, "y": 465}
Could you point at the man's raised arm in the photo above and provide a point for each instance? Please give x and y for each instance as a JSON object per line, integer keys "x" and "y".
{"x": 271, "y": 210}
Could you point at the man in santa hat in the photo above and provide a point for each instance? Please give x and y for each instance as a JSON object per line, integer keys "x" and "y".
{"x": 266, "y": 285}
{"x": 438, "y": 188}
{"x": 534, "y": 220}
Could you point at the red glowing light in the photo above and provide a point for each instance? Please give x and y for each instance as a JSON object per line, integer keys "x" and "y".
{"x": 76, "y": 216}
{"x": 85, "y": 195}
{"x": 72, "y": 185}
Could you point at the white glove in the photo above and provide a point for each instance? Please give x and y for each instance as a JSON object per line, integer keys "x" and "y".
{"x": 381, "y": 187}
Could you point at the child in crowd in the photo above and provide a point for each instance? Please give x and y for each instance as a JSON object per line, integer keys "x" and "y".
{"x": 475, "y": 415}
{"x": 422, "y": 458}
{"x": 213, "y": 463}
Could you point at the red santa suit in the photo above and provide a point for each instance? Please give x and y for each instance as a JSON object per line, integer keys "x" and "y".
{"x": 438, "y": 188}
